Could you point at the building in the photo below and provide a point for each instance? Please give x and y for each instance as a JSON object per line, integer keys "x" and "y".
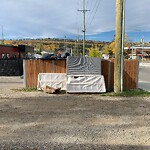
{"x": 25, "y": 51}
{"x": 13, "y": 52}
{"x": 7, "y": 51}
{"x": 138, "y": 52}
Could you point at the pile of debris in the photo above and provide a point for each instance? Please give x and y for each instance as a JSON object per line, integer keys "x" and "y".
{"x": 51, "y": 90}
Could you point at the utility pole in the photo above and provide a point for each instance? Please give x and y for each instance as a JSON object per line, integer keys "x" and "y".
{"x": 123, "y": 37}
{"x": 132, "y": 50}
{"x": 84, "y": 26}
{"x": 2, "y": 35}
{"x": 142, "y": 40}
{"x": 65, "y": 44}
{"x": 76, "y": 46}
{"x": 118, "y": 46}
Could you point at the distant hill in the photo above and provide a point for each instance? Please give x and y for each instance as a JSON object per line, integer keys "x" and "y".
{"x": 50, "y": 44}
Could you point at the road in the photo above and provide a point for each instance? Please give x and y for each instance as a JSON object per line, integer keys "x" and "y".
{"x": 144, "y": 77}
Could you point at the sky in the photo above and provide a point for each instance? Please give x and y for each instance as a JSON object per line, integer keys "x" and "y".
{"x": 59, "y": 18}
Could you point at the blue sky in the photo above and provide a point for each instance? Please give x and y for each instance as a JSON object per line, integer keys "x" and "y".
{"x": 59, "y": 18}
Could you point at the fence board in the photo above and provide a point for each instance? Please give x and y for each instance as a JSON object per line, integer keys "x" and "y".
{"x": 111, "y": 74}
{"x": 105, "y": 72}
{"x": 34, "y": 67}
{"x": 60, "y": 66}
{"x": 130, "y": 74}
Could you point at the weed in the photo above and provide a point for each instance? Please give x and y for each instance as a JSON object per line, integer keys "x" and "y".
{"x": 129, "y": 93}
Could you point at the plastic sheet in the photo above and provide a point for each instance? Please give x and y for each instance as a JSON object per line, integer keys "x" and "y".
{"x": 83, "y": 66}
{"x": 85, "y": 84}
{"x": 55, "y": 80}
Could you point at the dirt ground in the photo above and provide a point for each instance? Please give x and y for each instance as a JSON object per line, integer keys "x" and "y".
{"x": 39, "y": 121}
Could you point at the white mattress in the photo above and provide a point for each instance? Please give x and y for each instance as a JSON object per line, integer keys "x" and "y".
{"x": 85, "y": 84}
{"x": 55, "y": 80}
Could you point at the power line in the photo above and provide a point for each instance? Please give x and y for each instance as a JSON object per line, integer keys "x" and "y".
{"x": 78, "y": 20}
{"x": 87, "y": 3}
{"x": 91, "y": 6}
{"x": 76, "y": 23}
{"x": 98, "y": 4}
{"x": 77, "y": 26}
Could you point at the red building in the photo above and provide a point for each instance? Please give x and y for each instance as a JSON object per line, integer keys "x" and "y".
{"x": 10, "y": 52}
{"x": 7, "y": 51}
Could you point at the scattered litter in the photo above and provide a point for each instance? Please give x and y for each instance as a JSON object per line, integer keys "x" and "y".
{"x": 50, "y": 90}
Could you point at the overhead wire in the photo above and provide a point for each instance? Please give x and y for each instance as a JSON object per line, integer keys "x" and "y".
{"x": 93, "y": 17}
{"x": 87, "y": 4}
{"x": 78, "y": 20}
{"x": 90, "y": 6}
{"x": 93, "y": 6}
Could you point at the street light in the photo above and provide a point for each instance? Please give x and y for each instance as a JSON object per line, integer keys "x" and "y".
{"x": 142, "y": 40}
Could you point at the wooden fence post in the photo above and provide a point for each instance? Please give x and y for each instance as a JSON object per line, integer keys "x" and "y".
{"x": 109, "y": 69}
{"x": 24, "y": 74}
{"x": 137, "y": 79}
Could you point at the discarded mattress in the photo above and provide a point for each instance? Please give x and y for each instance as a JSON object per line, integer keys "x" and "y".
{"x": 55, "y": 80}
{"x": 85, "y": 84}
{"x": 83, "y": 66}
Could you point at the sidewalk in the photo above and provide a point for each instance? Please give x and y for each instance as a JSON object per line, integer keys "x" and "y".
{"x": 144, "y": 85}
{"x": 144, "y": 79}
{"x": 144, "y": 64}
{"x": 11, "y": 82}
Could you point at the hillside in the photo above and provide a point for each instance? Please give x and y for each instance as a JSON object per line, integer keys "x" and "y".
{"x": 49, "y": 44}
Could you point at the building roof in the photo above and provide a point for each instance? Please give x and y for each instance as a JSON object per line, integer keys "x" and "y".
{"x": 3, "y": 45}
{"x": 141, "y": 47}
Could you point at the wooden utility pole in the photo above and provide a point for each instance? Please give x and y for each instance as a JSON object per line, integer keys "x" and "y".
{"x": 118, "y": 46}
{"x": 65, "y": 44}
{"x": 2, "y": 35}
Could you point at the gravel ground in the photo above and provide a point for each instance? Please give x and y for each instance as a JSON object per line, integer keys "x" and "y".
{"x": 38, "y": 121}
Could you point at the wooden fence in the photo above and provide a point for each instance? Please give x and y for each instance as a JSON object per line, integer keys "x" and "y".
{"x": 130, "y": 74}
{"x": 33, "y": 67}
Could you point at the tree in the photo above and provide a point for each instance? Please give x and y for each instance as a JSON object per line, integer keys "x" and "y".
{"x": 38, "y": 48}
{"x": 94, "y": 52}
{"x": 109, "y": 48}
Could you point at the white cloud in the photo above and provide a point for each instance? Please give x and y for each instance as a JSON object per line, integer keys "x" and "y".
{"x": 56, "y": 18}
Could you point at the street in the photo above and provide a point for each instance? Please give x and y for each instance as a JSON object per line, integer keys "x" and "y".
{"x": 144, "y": 79}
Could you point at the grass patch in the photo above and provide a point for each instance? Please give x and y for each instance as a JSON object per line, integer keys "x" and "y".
{"x": 129, "y": 93}
{"x": 26, "y": 89}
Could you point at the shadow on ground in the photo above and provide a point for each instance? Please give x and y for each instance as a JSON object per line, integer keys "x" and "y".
{"x": 50, "y": 146}
{"x": 76, "y": 122}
